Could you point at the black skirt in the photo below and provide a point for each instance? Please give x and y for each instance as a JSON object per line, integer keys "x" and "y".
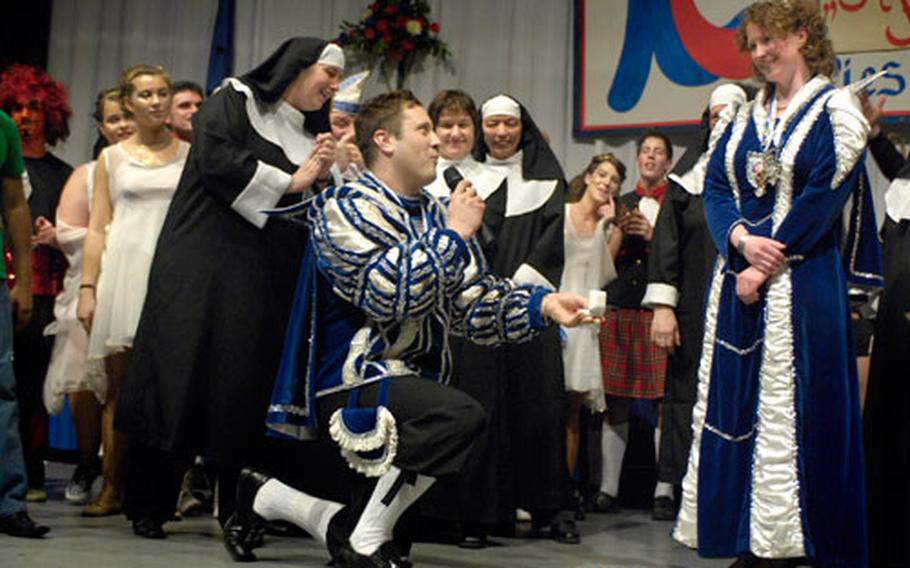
{"x": 886, "y": 421}
{"x": 519, "y": 458}
{"x": 209, "y": 339}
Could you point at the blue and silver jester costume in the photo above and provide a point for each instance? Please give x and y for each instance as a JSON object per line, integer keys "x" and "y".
{"x": 382, "y": 284}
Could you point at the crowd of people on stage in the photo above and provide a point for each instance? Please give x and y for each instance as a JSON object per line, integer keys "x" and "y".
{"x": 285, "y": 305}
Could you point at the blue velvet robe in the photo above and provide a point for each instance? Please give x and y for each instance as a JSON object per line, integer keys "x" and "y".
{"x": 776, "y": 461}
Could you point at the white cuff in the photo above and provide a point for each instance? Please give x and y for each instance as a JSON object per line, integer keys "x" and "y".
{"x": 527, "y": 274}
{"x": 264, "y": 191}
{"x": 659, "y": 294}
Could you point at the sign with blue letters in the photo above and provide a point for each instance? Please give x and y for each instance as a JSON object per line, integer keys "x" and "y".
{"x": 653, "y": 63}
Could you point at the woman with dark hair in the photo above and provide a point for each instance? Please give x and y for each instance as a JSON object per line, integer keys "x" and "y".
{"x": 222, "y": 280}
{"x": 455, "y": 121}
{"x": 67, "y": 374}
{"x": 589, "y": 218}
{"x": 775, "y": 470}
{"x": 112, "y": 121}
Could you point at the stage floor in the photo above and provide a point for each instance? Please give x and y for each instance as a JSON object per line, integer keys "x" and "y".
{"x": 628, "y": 539}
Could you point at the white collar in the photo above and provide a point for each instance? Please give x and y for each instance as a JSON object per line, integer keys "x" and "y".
{"x": 280, "y": 123}
{"x": 468, "y": 162}
{"x": 802, "y": 97}
{"x": 514, "y": 159}
{"x": 693, "y": 181}
{"x": 897, "y": 200}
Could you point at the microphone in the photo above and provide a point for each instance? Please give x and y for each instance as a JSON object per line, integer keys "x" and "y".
{"x": 452, "y": 176}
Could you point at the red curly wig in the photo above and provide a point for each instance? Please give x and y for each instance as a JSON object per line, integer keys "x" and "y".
{"x": 24, "y": 81}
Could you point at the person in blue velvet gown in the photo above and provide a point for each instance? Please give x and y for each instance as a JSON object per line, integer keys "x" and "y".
{"x": 775, "y": 472}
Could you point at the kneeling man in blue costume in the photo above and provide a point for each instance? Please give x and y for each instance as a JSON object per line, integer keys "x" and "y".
{"x": 389, "y": 272}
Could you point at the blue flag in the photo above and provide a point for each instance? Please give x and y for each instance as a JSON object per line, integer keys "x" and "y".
{"x": 221, "y": 58}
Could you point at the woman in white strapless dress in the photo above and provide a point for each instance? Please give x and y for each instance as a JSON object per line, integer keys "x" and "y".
{"x": 134, "y": 182}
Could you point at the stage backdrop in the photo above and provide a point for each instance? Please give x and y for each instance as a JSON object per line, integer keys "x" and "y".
{"x": 863, "y": 25}
{"x": 643, "y": 63}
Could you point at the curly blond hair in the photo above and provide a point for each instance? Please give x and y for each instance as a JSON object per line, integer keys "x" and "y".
{"x": 781, "y": 17}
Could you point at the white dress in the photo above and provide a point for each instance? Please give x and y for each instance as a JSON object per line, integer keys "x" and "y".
{"x": 140, "y": 196}
{"x": 66, "y": 372}
{"x": 588, "y": 266}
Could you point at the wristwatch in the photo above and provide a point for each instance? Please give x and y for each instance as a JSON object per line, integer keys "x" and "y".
{"x": 741, "y": 243}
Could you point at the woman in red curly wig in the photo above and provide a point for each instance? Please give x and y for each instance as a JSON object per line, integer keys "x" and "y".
{"x": 38, "y": 105}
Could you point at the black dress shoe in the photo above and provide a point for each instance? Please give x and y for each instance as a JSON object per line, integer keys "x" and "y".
{"x": 21, "y": 525}
{"x": 664, "y": 509}
{"x": 243, "y": 530}
{"x": 744, "y": 561}
{"x": 148, "y": 528}
{"x": 386, "y": 556}
{"x": 562, "y": 531}
{"x": 565, "y": 532}
{"x": 473, "y": 541}
{"x": 603, "y": 503}
{"x": 240, "y": 539}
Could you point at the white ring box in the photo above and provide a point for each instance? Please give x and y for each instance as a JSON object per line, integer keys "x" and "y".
{"x": 597, "y": 303}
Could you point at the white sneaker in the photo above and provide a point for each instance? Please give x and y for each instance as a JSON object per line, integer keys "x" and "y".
{"x": 79, "y": 487}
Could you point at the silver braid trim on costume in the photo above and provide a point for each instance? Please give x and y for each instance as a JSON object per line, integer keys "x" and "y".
{"x": 854, "y": 250}
{"x": 851, "y": 131}
{"x": 384, "y": 435}
{"x": 775, "y": 516}
{"x": 741, "y": 351}
{"x": 739, "y": 128}
{"x": 775, "y": 513}
{"x": 686, "y": 529}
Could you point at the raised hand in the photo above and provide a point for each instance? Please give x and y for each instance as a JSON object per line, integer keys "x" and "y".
{"x": 607, "y": 211}
{"x": 348, "y": 153}
{"x": 316, "y": 165}
{"x": 635, "y": 223}
{"x": 872, "y": 112}
{"x": 466, "y": 209}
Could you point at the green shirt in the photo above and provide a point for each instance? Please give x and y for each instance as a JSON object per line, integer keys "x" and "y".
{"x": 11, "y": 165}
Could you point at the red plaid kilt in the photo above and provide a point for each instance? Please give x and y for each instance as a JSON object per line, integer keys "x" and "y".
{"x": 633, "y": 366}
